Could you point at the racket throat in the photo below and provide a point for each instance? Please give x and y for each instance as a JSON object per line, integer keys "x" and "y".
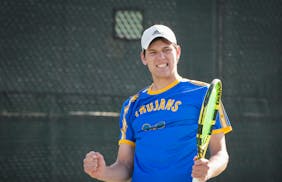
{"x": 202, "y": 148}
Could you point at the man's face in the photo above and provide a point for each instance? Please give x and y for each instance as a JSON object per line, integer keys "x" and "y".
{"x": 162, "y": 58}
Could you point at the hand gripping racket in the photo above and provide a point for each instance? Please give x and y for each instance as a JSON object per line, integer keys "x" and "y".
{"x": 207, "y": 117}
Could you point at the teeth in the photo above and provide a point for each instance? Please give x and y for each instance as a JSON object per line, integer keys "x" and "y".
{"x": 162, "y": 65}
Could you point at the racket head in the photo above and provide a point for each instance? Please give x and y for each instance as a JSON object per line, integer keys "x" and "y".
{"x": 207, "y": 116}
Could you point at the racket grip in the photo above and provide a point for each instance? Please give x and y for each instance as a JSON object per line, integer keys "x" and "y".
{"x": 195, "y": 180}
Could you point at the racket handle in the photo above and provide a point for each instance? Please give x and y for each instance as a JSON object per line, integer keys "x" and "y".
{"x": 195, "y": 180}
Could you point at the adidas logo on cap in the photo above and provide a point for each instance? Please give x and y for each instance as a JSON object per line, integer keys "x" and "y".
{"x": 157, "y": 31}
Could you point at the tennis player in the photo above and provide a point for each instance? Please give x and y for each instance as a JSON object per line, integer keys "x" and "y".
{"x": 158, "y": 125}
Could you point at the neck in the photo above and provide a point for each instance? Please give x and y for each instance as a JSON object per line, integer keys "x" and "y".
{"x": 160, "y": 83}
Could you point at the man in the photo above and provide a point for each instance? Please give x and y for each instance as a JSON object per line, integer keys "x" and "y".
{"x": 159, "y": 124}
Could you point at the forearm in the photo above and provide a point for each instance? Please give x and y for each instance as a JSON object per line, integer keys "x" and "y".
{"x": 217, "y": 164}
{"x": 117, "y": 172}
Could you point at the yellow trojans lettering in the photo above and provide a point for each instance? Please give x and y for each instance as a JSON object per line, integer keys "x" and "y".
{"x": 157, "y": 105}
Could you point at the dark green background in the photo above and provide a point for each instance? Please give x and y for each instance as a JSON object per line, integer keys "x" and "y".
{"x": 60, "y": 56}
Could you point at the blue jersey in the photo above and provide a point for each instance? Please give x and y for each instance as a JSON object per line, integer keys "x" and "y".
{"x": 162, "y": 126}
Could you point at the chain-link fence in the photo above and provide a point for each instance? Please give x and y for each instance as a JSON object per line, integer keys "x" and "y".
{"x": 252, "y": 59}
{"x": 67, "y": 66}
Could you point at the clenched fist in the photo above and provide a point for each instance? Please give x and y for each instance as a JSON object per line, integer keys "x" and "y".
{"x": 94, "y": 165}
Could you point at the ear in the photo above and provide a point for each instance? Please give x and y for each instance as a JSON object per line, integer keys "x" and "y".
{"x": 143, "y": 59}
{"x": 178, "y": 52}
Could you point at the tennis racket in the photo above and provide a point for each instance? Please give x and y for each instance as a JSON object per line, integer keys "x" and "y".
{"x": 207, "y": 117}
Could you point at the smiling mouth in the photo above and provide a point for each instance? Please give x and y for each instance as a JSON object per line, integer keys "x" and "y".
{"x": 162, "y": 65}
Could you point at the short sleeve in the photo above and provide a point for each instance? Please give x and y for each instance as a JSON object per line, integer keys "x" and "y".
{"x": 222, "y": 124}
{"x": 126, "y": 131}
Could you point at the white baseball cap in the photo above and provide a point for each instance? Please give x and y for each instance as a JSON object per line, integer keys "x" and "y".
{"x": 157, "y": 31}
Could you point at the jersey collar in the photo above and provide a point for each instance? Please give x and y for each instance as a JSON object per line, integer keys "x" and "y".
{"x": 155, "y": 92}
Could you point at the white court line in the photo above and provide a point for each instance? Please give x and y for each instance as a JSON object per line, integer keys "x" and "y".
{"x": 72, "y": 113}
{"x": 94, "y": 113}
{"x": 34, "y": 114}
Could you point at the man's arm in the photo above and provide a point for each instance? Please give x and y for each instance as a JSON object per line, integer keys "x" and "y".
{"x": 219, "y": 155}
{"x": 204, "y": 169}
{"x": 121, "y": 170}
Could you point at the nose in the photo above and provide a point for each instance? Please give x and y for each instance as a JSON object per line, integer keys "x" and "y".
{"x": 161, "y": 55}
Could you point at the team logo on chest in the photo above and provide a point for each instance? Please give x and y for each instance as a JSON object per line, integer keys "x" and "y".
{"x": 158, "y": 125}
{"x": 158, "y": 105}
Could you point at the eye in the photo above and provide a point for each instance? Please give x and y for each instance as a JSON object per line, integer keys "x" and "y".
{"x": 167, "y": 50}
{"x": 152, "y": 53}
